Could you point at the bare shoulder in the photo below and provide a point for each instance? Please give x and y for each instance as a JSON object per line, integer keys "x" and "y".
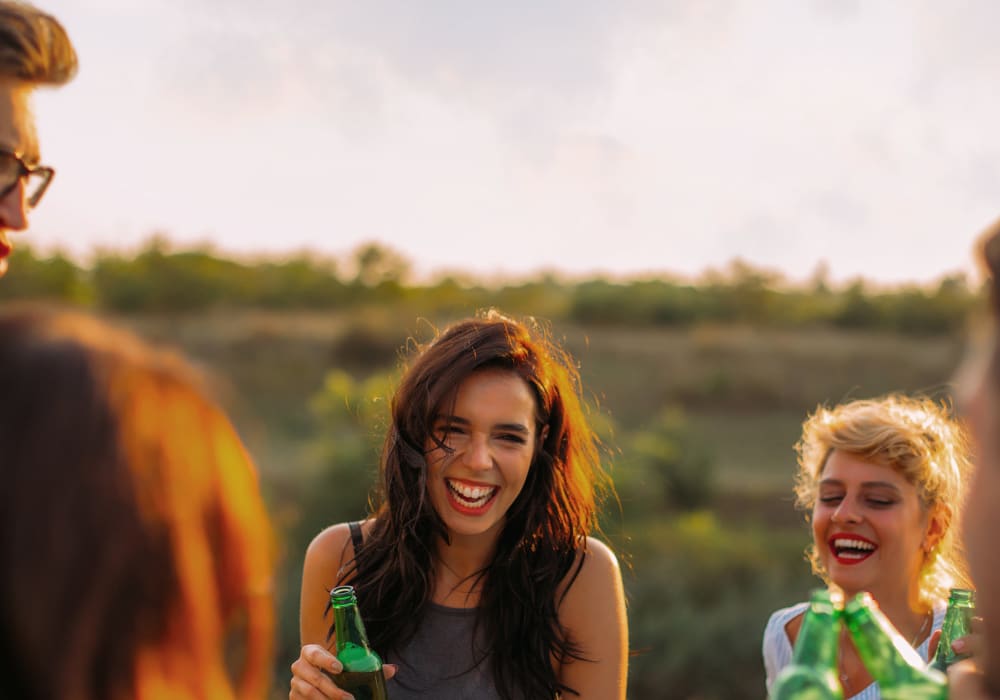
{"x": 597, "y": 572}
{"x": 592, "y": 611}
{"x": 329, "y": 551}
{"x": 792, "y": 628}
{"x": 332, "y": 549}
{"x": 326, "y": 558}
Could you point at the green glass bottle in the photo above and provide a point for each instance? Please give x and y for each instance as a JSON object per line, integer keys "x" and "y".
{"x": 892, "y": 662}
{"x": 812, "y": 675}
{"x": 362, "y": 674}
{"x": 957, "y": 623}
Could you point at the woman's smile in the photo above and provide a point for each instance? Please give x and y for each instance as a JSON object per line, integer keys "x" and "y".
{"x": 483, "y": 446}
{"x": 851, "y": 549}
{"x": 471, "y": 498}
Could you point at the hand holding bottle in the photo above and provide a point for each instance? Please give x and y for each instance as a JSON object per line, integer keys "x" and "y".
{"x": 954, "y": 640}
{"x": 309, "y": 682}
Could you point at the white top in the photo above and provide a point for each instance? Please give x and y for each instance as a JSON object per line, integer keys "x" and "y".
{"x": 777, "y": 648}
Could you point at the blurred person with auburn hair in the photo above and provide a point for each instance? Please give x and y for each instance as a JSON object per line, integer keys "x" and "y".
{"x": 34, "y": 50}
{"x": 134, "y": 544}
{"x": 979, "y": 393}
{"x": 477, "y": 574}
{"x": 883, "y": 481}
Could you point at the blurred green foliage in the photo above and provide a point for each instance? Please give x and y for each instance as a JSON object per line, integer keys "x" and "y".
{"x": 697, "y": 392}
{"x": 662, "y": 467}
{"x": 159, "y": 279}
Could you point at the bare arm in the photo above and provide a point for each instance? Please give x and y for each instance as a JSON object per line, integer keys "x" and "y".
{"x": 593, "y": 611}
{"x": 326, "y": 554}
{"x": 324, "y": 558}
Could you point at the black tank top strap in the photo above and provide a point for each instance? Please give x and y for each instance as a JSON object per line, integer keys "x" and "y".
{"x": 356, "y": 537}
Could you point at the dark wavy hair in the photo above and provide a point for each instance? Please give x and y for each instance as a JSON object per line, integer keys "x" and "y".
{"x": 545, "y": 532}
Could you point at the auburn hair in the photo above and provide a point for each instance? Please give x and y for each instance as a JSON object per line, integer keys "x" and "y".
{"x": 134, "y": 540}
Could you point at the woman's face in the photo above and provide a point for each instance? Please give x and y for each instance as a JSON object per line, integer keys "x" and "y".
{"x": 982, "y": 515}
{"x": 490, "y": 430}
{"x": 869, "y": 527}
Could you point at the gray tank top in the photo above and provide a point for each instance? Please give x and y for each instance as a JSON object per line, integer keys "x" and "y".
{"x": 442, "y": 661}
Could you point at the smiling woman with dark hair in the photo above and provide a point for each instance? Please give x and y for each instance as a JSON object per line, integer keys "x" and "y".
{"x": 476, "y": 574}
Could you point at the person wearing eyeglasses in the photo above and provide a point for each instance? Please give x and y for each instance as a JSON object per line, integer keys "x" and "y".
{"x": 34, "y": 50}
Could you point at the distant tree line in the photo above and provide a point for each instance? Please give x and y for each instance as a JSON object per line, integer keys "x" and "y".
{"x": 159, "y": 279}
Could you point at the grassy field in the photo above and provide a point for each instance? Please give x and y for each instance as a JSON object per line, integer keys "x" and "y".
{"x": 744, "y": 390}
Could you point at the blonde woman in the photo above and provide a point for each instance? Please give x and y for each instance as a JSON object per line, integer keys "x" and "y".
{"x": 883, "y": 481}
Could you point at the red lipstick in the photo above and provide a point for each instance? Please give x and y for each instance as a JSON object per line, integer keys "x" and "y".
{"x": 849, "y": 549}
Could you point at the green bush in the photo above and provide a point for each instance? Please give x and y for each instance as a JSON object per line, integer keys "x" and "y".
{"x": 663, "y": 468}
{"x": 699, "y": 596}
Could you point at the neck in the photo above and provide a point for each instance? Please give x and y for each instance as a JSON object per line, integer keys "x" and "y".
{"x": 907, "y": 614}
{"x": 465, "y": 556}
{"x": 458, "y": 571}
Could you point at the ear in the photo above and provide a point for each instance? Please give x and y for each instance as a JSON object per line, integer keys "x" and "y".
{"x": 938, "y": 522}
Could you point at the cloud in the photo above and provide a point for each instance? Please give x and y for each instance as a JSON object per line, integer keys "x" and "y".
{"x": 682, "y": 132}
{"x": 529, "y": 65}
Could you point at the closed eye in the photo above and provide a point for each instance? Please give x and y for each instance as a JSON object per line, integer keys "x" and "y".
{"x": 512, "y": 437}
{"x": 445, "y": 429}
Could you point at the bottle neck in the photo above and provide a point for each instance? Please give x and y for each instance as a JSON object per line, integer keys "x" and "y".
{"x": 957, "y": 623}
{"x": 887, "y": 656}
{"x": 349, "y": 627}
{"x": 962, "y": 598}
{"x": 816, "y": 644}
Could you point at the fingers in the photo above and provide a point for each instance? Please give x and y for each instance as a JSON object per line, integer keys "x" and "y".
{"x": 970, "y": 644}
{"x": 389, "y": 670}
{"x": 302, "y": 690}
{"x": 309, "y": 682}
{"x": 321, "y": 658}
{"x": 965, "y": 682}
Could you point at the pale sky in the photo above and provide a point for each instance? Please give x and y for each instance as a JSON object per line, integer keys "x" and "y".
{"x": 509, "y": 137}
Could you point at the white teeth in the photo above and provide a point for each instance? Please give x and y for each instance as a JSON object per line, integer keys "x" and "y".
{"x": 474, "y": 495}
{"x": 844, "y": 543}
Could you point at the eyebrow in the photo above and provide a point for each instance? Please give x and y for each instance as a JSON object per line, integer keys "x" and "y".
{"x": 864, "y": 484}
{"x": 457, "y": 420}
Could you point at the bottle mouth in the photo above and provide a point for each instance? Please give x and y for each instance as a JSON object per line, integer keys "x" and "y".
{"x": 342, "y": 595}
{"x": 963, "y": 596}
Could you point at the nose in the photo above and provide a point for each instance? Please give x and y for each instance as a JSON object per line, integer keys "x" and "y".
{"x": 14, "y": 209}
{"x": 845, "y": 512}
{"x": 477, "y": 454}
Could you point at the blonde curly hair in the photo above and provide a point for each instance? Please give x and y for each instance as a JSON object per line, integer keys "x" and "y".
{"x": 917, "y": 437}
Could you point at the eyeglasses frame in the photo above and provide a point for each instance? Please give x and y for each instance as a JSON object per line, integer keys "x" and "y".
{"x": 44, "y": 170}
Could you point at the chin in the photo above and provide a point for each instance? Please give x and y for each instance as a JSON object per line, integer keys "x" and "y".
{"x": 847, "y": 582}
